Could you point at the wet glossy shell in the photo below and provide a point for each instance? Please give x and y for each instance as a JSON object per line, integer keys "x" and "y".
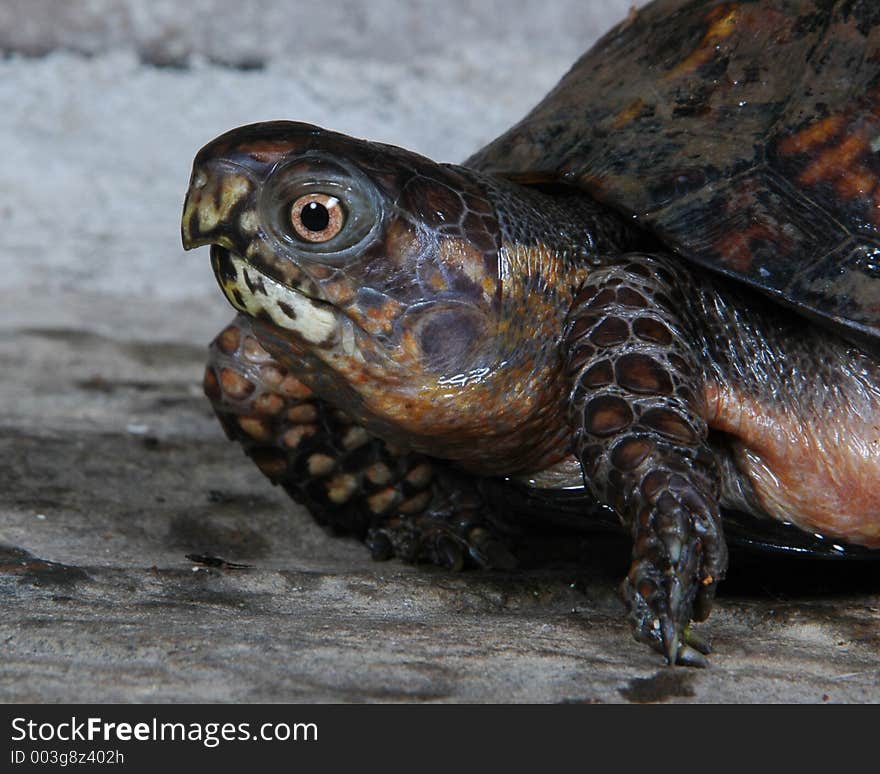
{"x": 746, "y": 135}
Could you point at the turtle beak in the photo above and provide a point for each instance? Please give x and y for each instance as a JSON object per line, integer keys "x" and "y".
{"x": 219, "y": 196}
{"x": 190, "y": 233}
{"x": 221, "y": 203}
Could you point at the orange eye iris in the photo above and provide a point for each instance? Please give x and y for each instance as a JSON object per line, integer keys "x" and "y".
{"x": 317, "y": 217}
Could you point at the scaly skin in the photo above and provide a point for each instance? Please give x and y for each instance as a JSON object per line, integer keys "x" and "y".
{"x": 637, "y": 411}
{"x": 401, "y": 504}
{"x": 457, "y": 330}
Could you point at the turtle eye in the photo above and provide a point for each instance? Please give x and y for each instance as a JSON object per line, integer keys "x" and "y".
{"x": 321, "y": 208}
{"x": 317, "y": 217}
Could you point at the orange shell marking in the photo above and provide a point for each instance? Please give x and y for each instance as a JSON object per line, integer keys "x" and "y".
{"x": 722, "y": 22}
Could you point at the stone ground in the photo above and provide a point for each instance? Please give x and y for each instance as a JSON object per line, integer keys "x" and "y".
{"x": 114, "y": 468}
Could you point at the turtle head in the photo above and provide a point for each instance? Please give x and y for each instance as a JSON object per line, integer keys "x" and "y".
{"x": 310, "y": 228}
{"x": 376, "y": 271}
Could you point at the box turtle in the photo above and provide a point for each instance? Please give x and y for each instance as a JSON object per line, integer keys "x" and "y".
{"x": 656, "y": 298}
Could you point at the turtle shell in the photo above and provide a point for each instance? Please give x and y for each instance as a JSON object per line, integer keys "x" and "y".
{"x": 745, "y": 135}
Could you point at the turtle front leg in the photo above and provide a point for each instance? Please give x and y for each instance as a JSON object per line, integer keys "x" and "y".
{"x": 637, "y": 411}
{"x": 401, "y": 504}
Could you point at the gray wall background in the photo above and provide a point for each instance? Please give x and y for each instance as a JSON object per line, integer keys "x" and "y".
{"x": 255, "y": 32}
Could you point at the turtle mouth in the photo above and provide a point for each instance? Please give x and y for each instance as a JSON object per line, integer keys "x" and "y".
{"x": 261, "y": 296}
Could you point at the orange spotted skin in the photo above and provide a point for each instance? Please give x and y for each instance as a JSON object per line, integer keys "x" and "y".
{"x": 657, "y": 297}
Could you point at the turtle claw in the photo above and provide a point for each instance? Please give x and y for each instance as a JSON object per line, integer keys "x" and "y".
{"x": 664, "y": 597}
{"x": 680, "y": 647}
{"x": 668, "y": 632}
{"x": 688, "y": 649}
{"x": 678, "y": 557}
{"x": 488, "y": 552}
{"x": 448, "y": 553}
{"x": 671, "y": 641}
{"x": 696, "y": 642}
{"x": 435, "y": 540}
{"x": 688, "y": 656}
{"x": 704, "y": 601}
{"x": 380, "y": 545}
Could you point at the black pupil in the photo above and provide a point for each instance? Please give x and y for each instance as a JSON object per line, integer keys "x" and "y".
{"x": 314, "y": 216}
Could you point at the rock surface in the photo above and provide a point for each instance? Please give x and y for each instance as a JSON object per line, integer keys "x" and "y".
{"x": 114, "y": 468}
